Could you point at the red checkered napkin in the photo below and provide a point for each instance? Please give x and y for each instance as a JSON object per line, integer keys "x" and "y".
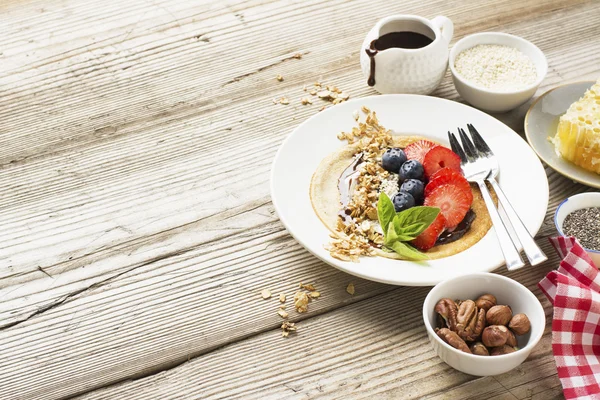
{"x": 574, "y": 290}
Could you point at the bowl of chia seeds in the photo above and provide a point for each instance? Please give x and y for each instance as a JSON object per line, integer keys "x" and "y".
{"x": 579, "y": 216}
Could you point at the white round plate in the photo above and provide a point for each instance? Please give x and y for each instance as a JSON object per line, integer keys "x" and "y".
{"x": 541, "y": 122}
{"x": 522, "y": 178}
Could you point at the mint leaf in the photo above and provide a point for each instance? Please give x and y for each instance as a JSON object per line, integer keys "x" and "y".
{"x": 412, "y": 222}
{"x": 408, "y": 252}
{"x": 385, "y": 211}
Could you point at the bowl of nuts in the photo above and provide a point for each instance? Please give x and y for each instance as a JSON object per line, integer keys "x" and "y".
{"x": 483, "y": 324}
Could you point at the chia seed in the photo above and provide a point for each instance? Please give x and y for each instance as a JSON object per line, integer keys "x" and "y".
{"x": 584, "y": 224}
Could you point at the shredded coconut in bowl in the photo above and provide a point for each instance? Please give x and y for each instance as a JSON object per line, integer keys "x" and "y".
{"x": 496, "y": 67}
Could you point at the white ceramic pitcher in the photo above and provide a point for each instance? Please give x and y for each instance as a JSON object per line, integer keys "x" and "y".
{"x": 402, "y": 70}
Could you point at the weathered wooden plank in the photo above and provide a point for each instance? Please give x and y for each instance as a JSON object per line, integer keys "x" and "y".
{"x": 117, "y": 125}
{"x": 83, "y": 184}
{"x": 377, "y": 347}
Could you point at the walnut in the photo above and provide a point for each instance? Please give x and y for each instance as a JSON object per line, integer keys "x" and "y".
{"x": 498, "y": 315}
{"x": 494, "y": 335}
{"x": 520, "y": 324}
{"x": 512, "y": 340}
{"x": 479, "y": 349}
{"x": 453, "y": 339}
{"x": 486, "y": 301}
{"x": 446, "y": 308}
{"x": 506, "y": 349}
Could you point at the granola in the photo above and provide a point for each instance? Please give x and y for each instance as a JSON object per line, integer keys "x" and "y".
{"x": 357, "y": 235}
{"x": 301, "y": 302}
{"x": 287, "y": 327}
{"x": 350, "y": 288}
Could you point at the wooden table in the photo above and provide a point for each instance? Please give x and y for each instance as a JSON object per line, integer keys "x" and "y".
{"x": 136, "y": 226}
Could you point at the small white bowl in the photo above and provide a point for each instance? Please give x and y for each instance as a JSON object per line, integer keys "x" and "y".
{"x": 508, "y": 292}
{"x": 490, "y": 100}
{"x": 577, "y": 202}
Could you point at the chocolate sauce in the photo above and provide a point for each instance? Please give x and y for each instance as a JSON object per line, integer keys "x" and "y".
{"x": 401, "y": 40}
{"x": 345, "y": 186}
{"x": 459, "y": 231}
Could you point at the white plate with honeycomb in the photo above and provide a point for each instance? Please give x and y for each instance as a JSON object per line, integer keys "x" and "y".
{"x": 541, "y": 123}
{"x": 522, "y": 178}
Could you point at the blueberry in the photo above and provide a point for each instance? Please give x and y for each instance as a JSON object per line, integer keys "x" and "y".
{"x": 393, "y": 159}
{"x": 415, "y": 188}
{"x": 403, "y": 201}
{"x": 412, "y": 169}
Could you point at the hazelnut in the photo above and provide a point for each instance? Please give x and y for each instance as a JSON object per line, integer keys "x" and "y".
{"x": 520, "y": 324}
{"x": 512, "y": 340}
{"x": 498, "y": 315}
{"x": 453, "y": 339}
{"x": 494, "y": 335}
{"x": 486, "y": 301}
{"x": 506, "y": 349}
{"x": 479, "y": 349}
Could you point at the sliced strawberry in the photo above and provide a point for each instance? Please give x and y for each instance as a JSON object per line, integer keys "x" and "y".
{"x": 440, "y": 157}
{"x": 453, "y": 200}
{"x": 429, "y": 236}
{"x": 448, "y": 175}
{"x": 418, "y": 149}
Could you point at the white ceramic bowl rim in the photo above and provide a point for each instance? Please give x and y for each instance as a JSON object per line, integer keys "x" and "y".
{"x": 530, "y": 344}
{"x": 536, "y": 49}
{"x": 558, "y": 228}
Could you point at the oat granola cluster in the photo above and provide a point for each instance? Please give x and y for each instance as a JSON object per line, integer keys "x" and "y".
{"x": 325, "y": 92}
{"x": 302, "y": 297}
{"x": 356, "y": 235}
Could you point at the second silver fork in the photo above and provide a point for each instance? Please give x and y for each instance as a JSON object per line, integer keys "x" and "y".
{"x": 534, "y": 254}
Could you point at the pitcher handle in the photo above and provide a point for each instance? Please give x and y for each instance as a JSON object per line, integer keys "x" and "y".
{"x": 445, "y": 26}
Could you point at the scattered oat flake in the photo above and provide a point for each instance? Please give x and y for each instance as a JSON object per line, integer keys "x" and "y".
{"x": 282, "y": 297}
{"x": 301, "y": 302}
{"x": 350, "y": 288}
{"x": 314, "y": 294}
{"x": 355, "y": 115}
{"x": 297, "y": 56}
{"x": 308, "y": 286}
{"x": 322, "y": 108}
{"x": 304, "y": 88}
{"x": 287, "y": 327}
{"x": 279, "y": 78}
{"x": 284, "y": 100}
{"x": 282, "y": 313}
{"x": 313, "y": 92}
{"x": 323, "y": 94}
{"x": 265, "y": 293}
{"x": 305, "y": 101}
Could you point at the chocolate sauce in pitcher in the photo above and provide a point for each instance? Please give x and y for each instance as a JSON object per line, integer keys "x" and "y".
{"x": 401, "y": 40}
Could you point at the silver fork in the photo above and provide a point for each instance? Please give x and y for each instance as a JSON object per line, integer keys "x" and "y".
{"x": 477, "y": 169}
{"x": 535, "y": 255}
